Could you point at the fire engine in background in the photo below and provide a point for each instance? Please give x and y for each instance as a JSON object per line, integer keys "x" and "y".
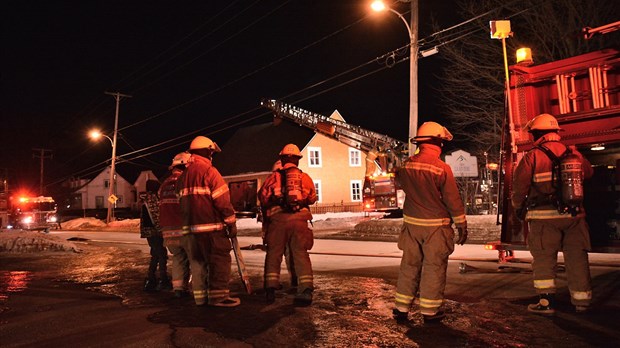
{"x": 380, "y": 191}
{"x": 583, "y": 93}
{"x": 34, "y": 213}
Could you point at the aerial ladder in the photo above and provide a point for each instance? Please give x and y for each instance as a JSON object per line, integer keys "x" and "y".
{"x": 384, "y": 154}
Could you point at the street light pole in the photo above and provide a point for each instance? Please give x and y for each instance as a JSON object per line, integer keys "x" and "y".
{"x": 412, "y": 30}
{"x": 111, "y": 201}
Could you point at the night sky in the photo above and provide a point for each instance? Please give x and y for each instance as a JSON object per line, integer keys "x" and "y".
{"x": 193, "y": 68}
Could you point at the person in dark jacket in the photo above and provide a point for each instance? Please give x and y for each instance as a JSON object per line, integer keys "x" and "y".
{"x": 150, "y": 229}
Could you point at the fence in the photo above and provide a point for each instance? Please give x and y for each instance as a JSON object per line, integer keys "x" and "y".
{"x": 336, "y": 208}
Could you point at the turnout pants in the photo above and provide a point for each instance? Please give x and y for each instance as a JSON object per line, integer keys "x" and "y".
{"x": 289, "y": 230}
{"x": 214, "y": 250}
{"x": 571, "y": 236}
{"x": 180, "y": 263}
{"x": 423, "y": 267}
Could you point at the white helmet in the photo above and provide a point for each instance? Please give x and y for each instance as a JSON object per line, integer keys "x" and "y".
{"x": 543, "y": 122}
{"x": 430, "y": 130}
{"x": 291, "y": 150}
{"x": 201, "y": 142}
{"x": 181, "y": 158}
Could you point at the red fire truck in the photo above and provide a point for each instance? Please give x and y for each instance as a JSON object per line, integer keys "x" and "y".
{"x": 583, "y": 93}
{"x": 34, "y": 213}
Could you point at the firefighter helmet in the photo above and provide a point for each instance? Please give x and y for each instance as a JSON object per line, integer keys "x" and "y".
{"x": 543, "y": 122}
{"x": 181, "y": 158}
{"x": 291, "y": 150}
{"x": 430, "y": 130}
{"x": 201, "y": 142}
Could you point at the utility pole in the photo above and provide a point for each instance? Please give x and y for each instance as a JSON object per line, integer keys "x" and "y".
{"x": 413, "y": 77}
{"x": 42, "y": 155}
{"x": 111, "y": 196}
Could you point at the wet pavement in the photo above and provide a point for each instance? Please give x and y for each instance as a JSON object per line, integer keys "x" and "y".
{"x": 94, "y": 299}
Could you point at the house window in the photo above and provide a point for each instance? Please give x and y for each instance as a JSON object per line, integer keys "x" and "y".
{"x": 317, "y": 187}
{"x": 106, "y": 183}
{"x": 99, "y": 202}
{"x": 314, "y": 157}
{"x": 355, "y": 158}
{"x": 356, "y": 190}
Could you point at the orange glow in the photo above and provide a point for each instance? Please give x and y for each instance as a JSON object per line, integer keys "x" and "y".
{"x": 489, "y": 247}
{"x": 492, "y": 166}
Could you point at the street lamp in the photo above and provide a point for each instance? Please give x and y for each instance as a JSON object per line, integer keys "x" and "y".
{"x": 96, "y": 134}
{"x": 412, "y": 29}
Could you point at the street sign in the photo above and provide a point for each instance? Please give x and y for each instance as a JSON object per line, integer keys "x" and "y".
{"x": 463, "y": 164}
{"x": 112, "y": 199}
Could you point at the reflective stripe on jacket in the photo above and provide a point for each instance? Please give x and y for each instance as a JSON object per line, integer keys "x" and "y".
{"x": 431, "y": 195}
{"x": 204, "y": 198}
{"x": 532, "y": 180}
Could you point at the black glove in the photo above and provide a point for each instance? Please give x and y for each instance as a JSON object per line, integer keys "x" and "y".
{"x": 231, "y": 230}
{"x": 462, "y": 237}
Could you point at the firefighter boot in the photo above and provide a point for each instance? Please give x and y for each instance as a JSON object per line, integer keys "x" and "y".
{"x": 400, "y": 317}
{"x": 270, "y": 295}
{"x": 545, "y": 305}
{"x": 304, "y": 298}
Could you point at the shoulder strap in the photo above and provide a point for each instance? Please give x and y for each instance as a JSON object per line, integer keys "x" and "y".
{"x": 549, "y": 153}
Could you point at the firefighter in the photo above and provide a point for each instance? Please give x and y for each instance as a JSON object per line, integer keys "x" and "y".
{"x": 549, "y": 230}
{"x": 209, "y": 219}
{"x": 287, "y": 195}
{"x": 151, "y": 230}
{"x": 172, "y": 227}
{"x": 432, "y": 204}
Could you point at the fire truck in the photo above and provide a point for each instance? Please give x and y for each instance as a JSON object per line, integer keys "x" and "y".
{"x": 380, "y": 190}
{"x": 583, "y": 93}
{"x": 34, "y": 213}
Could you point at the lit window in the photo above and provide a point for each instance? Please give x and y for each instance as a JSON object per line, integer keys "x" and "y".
{"x": 355, "y": 158}
{"x": 356, "y": 190}
{"x": 314, "y": 157}
{"x": 317, "y": 187}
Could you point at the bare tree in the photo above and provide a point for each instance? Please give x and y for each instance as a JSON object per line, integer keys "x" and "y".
{"x": 473, "y": 77}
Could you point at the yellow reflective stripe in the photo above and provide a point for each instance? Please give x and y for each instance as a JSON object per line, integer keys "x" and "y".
{"x": 428, "y": 303}
{"x": 404, "y": 299}
{"x": 274, "y": 210}
{"x": 305, "y": 279}
{"x": 195, "y": 191}
{"x": 546, "y": 214}
{"x": 219, "y": 191}
{"x": 218, "y": 226}
{"x": 542, "y": 177}
{"x": 216, "y": 294}
{"x": 459, "y": 219}
{"x": 172, "y": 233}
{"x": 426, "y": 222}
{"x": 169, "y": 201}
{"x": 581, "y": 295}
{"x": 424, "y": 167}
{"x": 544, "y": 283}
{"x": 177, "y": 284}
{"x": 272, "y": 276}
{"x": 230, "y": 219}
{"x": 200, "y": 295}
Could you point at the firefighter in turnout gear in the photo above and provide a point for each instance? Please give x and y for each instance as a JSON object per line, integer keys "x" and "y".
{"x": 172, "y": 227}
{"x": 209, "y": 220}
{"x": 432, "y": 204}
{"x": 287, "y": 194}
{"x": 534, "y": 196}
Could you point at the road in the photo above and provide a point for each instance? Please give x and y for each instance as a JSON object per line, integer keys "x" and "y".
{"x": 355, "y": 283}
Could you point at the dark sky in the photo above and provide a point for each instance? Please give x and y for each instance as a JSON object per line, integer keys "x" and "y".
{"x": 193, "y": 67}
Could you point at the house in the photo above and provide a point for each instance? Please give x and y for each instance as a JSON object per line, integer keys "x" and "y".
{"x": 336, "y": 169}
{"x": 93, "y": 193}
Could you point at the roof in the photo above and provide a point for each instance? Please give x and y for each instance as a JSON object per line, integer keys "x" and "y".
{"x": 255, "y": 148}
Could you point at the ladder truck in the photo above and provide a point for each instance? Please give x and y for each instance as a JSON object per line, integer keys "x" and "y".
{"x": 380, "y": 190}
{"x": 583, "y": 93}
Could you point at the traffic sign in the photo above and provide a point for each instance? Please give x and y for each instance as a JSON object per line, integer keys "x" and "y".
{"x": 463, "y": 164}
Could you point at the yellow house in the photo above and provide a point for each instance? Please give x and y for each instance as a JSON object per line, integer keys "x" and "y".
{"x": 336, "y": 169}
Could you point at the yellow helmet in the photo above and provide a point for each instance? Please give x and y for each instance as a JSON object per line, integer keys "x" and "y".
{"x": 429, "y": 130}
{"x": 291, "y": 150}
{"x": 543, "y": 122}
{"x": 201, "y": 142}
{"x": 181, "y": 158}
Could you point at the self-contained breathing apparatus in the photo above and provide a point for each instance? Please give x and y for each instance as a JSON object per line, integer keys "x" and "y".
{"x": 566, "y": 180}
{"x": 292, "y": 191}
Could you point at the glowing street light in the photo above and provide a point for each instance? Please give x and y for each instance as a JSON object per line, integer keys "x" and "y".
{"x": 412, "y": 30}
{"x": 95, "y": 135}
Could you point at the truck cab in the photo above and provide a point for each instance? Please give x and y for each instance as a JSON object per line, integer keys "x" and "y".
{"x": 34, "y": 213}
